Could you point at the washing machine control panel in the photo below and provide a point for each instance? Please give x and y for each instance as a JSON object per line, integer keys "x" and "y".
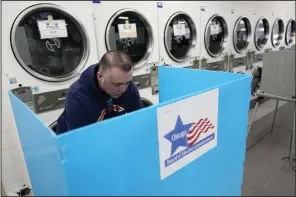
{"x": 218, "y": 66}
{"x": 258, "y": 57}
{"x": 282, "y": 48}
{"x": 195, "y": 63}
{"x": 142, "y": 81}
{"x": 154, "y": 80}
{"x": 48, "y": 101}
{"x": 239, "y": 61}
{"x": 250, "y": 60}
{"x": 25, "y": 95}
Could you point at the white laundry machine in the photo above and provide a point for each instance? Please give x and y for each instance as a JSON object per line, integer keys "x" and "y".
{"x": 278, "y": 27}
{"x": 129, "y": 26}
{"x": 290, "y": 32}
{"x": 46, "y": 60}
{"x": 288, "y": 18}
{"x": 240, "y": 32}
{"x": 45, "y": 46}
{"x": 215, "y": 19}
{"x": 261, "y": 44}
{"x": 178, "y": 33}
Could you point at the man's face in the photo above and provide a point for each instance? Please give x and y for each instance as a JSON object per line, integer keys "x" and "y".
{"x": 114, "y": 81}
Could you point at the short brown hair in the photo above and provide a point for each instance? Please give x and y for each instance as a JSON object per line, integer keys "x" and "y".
{"x": 117, "y": 59}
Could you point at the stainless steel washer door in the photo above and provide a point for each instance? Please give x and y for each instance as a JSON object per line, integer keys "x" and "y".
{"x": 146, "y": 102}
{"x": 53, "y": 59}
{"x": 261, "y": 33}
{"x": 180, "y": 37}
{"x": 216, "y": 35}
{"x": 241, "y": 34}
{"x": 256, "y": 80}
{"x": 129, "y": 31}
{"x": 277, "y": 32}
{"x": 290, "y": 32}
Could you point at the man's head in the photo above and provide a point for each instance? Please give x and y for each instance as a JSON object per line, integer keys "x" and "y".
{"x": 115, "y": 72}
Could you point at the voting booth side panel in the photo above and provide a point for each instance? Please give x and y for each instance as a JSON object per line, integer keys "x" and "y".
{"x": 185, "y": 81}
{"x": 41, "y": 151}
{"x": 148, "y": 153}
{"x": 233, "y": 122}
{"x": 190, "y": 145}
{"x": 232, "y": 130}
{"x": 233, "y": 98}
{"x": 118, "y": 156}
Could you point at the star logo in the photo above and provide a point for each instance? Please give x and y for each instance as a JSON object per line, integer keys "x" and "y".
{"x": 178, "y": 136}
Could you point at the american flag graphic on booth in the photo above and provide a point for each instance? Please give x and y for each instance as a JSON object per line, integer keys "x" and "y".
{"x": 197, "y": 128}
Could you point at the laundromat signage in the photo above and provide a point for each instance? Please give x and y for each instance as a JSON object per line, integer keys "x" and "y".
{"x": 52, "y": 29}
{"x": 187, "y": 129}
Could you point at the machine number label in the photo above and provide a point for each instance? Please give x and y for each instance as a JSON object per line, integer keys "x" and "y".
{"x": 159, "y": 4}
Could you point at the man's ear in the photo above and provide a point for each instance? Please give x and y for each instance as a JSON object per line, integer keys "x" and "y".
{"x": 99, "y": 75}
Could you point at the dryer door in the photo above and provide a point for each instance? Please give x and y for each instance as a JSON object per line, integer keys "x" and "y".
{"x": 129, "y": 31}
{"x": 180, "y": 37}
{"x": 241, "y": 34}
{"x": 290, "y": 32}
{"x": 256, "y": 81}
{"x": 53, "y": 126}
{"x": 146, "y": 102}
{"x": 261, "y": 33}
{"x": 277, "y": 32}
{"x": 49, "y": 42}
{"x": 216, "y": 35}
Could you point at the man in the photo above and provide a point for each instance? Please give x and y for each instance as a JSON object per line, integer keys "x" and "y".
{"x": 103, "y": 91}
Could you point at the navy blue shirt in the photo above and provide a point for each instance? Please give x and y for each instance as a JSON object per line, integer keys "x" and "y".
{"x": 87, "y": 103}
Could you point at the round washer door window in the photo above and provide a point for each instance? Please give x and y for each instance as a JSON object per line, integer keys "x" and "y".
{"x": 290, "y": 32}
{"x": 241, "y": 34}
{"x": 216, "y": 35}
{"x": 146, "y": 102}
{"x": 256, "y": 80}
{"x": 180, "y": 37}
{"x": 49, "y": 42}
{"x": 129, "y": 31}
{"x": 261, "y": 33}
{"x": 277, "y": 32}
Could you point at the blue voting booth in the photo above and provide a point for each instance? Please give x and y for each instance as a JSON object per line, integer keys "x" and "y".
{"x": 192, "y": 143}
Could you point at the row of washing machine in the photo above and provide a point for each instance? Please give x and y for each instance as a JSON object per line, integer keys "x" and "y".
{"x": 46, "y": 45}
